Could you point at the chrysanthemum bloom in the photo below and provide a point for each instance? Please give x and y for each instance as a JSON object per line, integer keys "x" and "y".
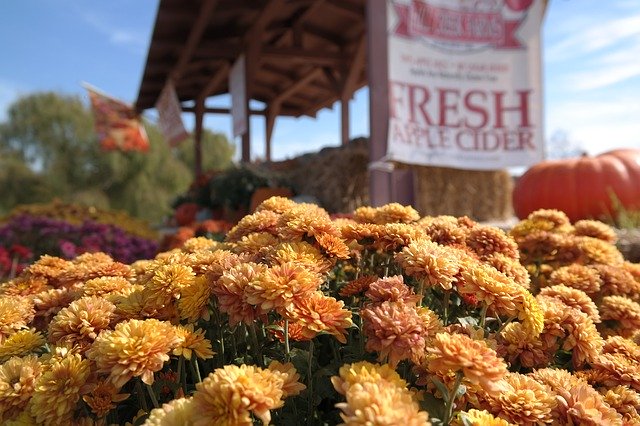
{"x": 615, "y": 369}
{"x": 80, "y": 323}
{"x": 595, "y": 251}
{"x": 59, "y": 389}
{"x": 475, "y": 417}
{"x": 134, "y": 304}
{"x": 618, "y": 344}
{"x": 135, "y": 348}
{"x": 260, "y": 221}
{"x": 220, "y": 262}
{"x": 290, "y": 378}
{"x": 619, "y": 315}
{"x": 488, "y": 240}
{"x": 394, "y": 330}
{"x": 18, "y": 378}
{"x": 21, "y": 343}
{"x": 318, "y": 313}
{"x": 93, "y": 265}
{"x": 574, "y": 298}
{"x": 103, "y": 286}
{"x": 24, "y": 285}
{"x": 276, "y": 204}
{"x": 435, "y": 264}
{"x": 358, "y": 286}
{"x": 48, "y": 267}
{"x": 194, "y": 300}
{"x": 332, "y": 246}
{"x": 625, "y": 401}
{"x": 256, "y": 245}
{"x": 633, "y": 269}
{"x": 15, "y": 313}
{"x": 394, "y": 236}
{"x": 617, "y": 281}
{"x": 364, "y": 371}
{"x": 195, "y": 244}
{"x": 578, "y": 402}
{"x": 230, "y": 291}
{"x": 595, "y": 229}
{"x": 451, "y": 353}
{"x": 104, "y": 398}
{"x": 365, "y": 214}
{"x": 302, "y": 222}
{"x": 230, "y": 393}
{"x": 192, "y": 342}
{"x": 511, "y": 268}
{"x": 167, "y": 281}
{"x": 362, "y": 233}
{"x": 523, "y": 401}
{"x": 176, "y": 412}
{"x": 557, "y": 218}
{"x": 517, "y": 347}
{"x": 277, "y": 287}
{"x": 542, "y": 247}
{"x": 394, "y": 213}
{"x": 444, "y": 230}
{"x": 577, "y": 276}
{"x": 382, "y": 403}
{"x": 298, "y": 332}
{"x": 391, "y": 289}
{"x": 301, "y": 253}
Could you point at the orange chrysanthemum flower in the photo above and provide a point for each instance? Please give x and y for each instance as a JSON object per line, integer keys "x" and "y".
{"x": 579, "y": 277}
{"x": 279, "y": 286}
{"x": 391, "y": 289}
{"x": 489, "y": 240}
{"x": 444, "y": 230}
{"x": 301, "y": 253}
{"x": 435, "y": 264}
{"x": 394, "y": 236}
{"x": 276, "y": 204}
{"x": 394, "y": 329}
{"x": 523, "y": 400}
{"x": 166, "y": 282}
{"x": 15, "y": 313}
{"x": 365, "y": 371}
{"x": 135, "y": 348}
{"x": 260, "y": 221}
{"x": 615, "y": 369}
{"x": 290, "y": 378}
{"x": 332, "y": 245}
{"x": 479, "y": 418}
{"x": 365, "y": 214}
{"x": 194, "y": 300}
{"x": 618, "y": 344}
{"x": 18, "y": 378}
{"x": 625, "y": 401}
{"x": 358, "y": 286}
{"x": 594, "y": 251}
{"x": 619, "y": 315}
{"x": 230, "y": 291}
{"x": 80, "y": 323}
{"x": 195, "y": 244}
{"x": 595, "y": 229}
{"x": 518, "y": 347}
{"x": 574, "y": 298}
{"x": 48, "y": 267}
{"x": 103, "y": 286}
{"x": 103, "y": 398}
{"x": 24, "y": 285}
{"x": 59, "y": 389}
{"x": 303, "y": 222}
{"x": 257, "y": 245}
{"x": 511, "y": 268}
{"x": 318, "y": 313}
{"x": 192, "y": 342}
{"x": 394, "y": 213}
{"x": 451, "y": 353}
{"x": 617, "y": 281}
{"x": 21, "y": 343}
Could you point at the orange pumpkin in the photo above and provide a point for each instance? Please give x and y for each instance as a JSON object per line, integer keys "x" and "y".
{"x": 581, "y": 187}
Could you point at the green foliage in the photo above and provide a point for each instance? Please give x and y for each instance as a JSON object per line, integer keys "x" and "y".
{"x": 234, "y": 188}
{"x": 622, "y": 217}
{"x": 48, "y": 149}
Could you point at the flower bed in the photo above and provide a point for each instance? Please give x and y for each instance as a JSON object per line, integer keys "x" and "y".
{"x": 386, "y": 319}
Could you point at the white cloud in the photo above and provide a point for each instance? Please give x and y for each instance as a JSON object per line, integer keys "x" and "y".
{"x": 134, "y": 40}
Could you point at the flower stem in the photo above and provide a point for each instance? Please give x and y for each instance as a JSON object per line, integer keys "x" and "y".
{"x": 483, "y": 314}
{"x": 182, "y": 375}
{"x": 448, "y": 409}
{"x": 257, "y": 350}
{"x": 153, "y": 396}
{"x": 310, "y": 382}
{"x": 445, "y": 307}
{"x": 287, "y": 349}
{"x": 141, "y": 398}
{"x": 194, "y": 360}
{"x": 502, "y": 327}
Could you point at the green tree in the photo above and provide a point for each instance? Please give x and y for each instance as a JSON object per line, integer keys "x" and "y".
{"x": 48, "y": 149}
{"x": 217, "y": 151}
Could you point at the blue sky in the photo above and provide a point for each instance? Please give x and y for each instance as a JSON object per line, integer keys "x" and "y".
{"x": 591, "y": 68}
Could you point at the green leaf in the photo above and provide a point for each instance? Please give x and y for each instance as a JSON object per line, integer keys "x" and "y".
{"x": 442, "y": 388}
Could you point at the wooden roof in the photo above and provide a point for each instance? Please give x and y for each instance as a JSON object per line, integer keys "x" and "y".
{"x": 308, "y": 53}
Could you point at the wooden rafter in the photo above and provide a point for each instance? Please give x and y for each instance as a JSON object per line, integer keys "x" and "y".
{"x": 299, "y": 83}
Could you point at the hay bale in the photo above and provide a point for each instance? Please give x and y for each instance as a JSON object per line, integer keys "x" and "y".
{"x": 481, "y": 195}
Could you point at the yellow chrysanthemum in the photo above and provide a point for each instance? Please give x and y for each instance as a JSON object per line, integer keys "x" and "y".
{"x": 195, "y": 244}
{"x": 480, "y": 365}
{"x": 256, "y": 245}
{"x": 192, "y": 342}
{"x": 523, "y": 400}
{"x": 103, "y": 286}
{"x": 18, "y": 378}
{"x": 595, "y": 229}
{"x": 479, "y": 418}
{"x": 80, "y": 323}
{"x": 194, "y": 300}
{"x": 364, "y": 371}
{"x": 104, "y": 398}
{"x": 276, "y": 204}
{"x": 260, "y": 221}
{"x": 290, "y": 378}
{"x": 393, "y": 236}
{"x": 21, "y": 343}
{"x": 15, "y": 313}
{"x": 59, "y": 389}
{"x": 435, "y": 264}
{"x": 301, "y": 253}
{"x": 167, "y": 281}
{"x": 518, "y": 347}
{"x": 134, "y": 349}
{"x": 177, "y": 412}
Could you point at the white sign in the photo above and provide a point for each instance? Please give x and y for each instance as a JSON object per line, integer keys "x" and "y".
{"x": 170, "y": 112}
{"x": 238, "y": 90}
{"x": 465, "y": 87}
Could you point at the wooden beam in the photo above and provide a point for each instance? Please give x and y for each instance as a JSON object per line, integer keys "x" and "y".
{"x": 355, "y": 68}
{"x": 195, "y": 35}
{"x": 218, "y": 78}
{"x": 316, "y": 57}
{"x": 222, "y": 110}
{"x": 347, "y": 8}
{"x": 297, "y": 85}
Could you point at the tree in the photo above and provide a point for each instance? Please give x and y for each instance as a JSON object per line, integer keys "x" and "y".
{"x": 49, "y": 149}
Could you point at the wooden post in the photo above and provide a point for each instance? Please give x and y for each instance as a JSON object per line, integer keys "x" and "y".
{"x": 197, "y": 136}
{"x": 344, "y": 118}
{"x": 270, "y": 121}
